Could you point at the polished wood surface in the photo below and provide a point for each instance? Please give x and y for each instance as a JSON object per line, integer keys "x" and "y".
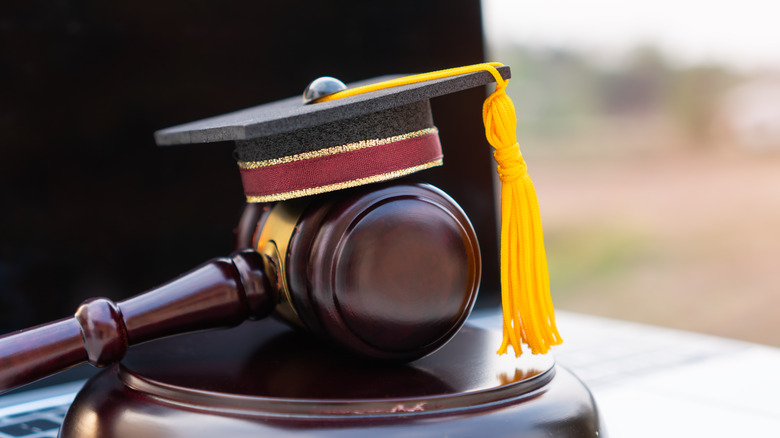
{"x": 265, "y": 379}
{"x": 38, "y": 352}
{"x": 220, "y": 293}
{"x": 389, "y": 272}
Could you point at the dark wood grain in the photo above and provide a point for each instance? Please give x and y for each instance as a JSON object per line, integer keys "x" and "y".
{"x": 35, "y": 353}
{"x": 244, "y": 233}
{"x": 388, "y": 272}
{"x": 278, "y": 382}
{"x": 220, "y": 293}
{"x": 391, "y": 272}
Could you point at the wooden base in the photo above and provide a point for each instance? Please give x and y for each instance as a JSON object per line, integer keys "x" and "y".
{"x": 264, "y": 379}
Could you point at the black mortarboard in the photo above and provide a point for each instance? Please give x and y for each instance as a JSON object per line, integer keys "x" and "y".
{"x": 287, "y": 149}
{"x": 380, "y": 130}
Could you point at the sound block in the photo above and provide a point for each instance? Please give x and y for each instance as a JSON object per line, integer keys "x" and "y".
{"x": 265, "y": 379}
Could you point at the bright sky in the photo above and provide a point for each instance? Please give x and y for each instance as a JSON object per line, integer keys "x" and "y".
{"x": 742, "y": 33}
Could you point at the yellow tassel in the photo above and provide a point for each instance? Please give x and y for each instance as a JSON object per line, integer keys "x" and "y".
{"x": 525, "y": 286}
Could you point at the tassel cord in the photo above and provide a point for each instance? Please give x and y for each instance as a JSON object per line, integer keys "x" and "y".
{"x": 528, "y": 315}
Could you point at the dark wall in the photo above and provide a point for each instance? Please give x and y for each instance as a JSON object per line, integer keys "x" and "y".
{"x": 89, "y": 206}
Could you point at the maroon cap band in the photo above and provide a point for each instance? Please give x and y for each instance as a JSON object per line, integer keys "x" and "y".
{"x": 340, "y": 167}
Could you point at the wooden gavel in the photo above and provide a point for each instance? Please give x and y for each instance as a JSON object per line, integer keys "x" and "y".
{"x": 389, "y": 273}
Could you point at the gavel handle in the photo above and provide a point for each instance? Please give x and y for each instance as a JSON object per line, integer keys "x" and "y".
{"x": 220, "y": 293}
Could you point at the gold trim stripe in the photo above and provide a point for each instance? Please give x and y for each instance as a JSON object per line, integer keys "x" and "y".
{"x": 343, "y": 185}
{"x": 362, "y": 144}
{"x": 273, "y": 242}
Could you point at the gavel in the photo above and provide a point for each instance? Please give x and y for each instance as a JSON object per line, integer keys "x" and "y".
{"x": 389, "y": 273}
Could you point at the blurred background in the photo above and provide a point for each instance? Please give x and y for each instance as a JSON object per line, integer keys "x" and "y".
{"x": 652, "y": 132}
{"x": 90, "y": 206}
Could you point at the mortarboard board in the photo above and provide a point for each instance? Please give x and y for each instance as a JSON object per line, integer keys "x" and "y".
{"x": 383, "y": 129}
{"x": 287, "y": 149}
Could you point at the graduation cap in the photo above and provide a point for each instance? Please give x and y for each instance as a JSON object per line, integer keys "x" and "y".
{"x": 338, "y": 137}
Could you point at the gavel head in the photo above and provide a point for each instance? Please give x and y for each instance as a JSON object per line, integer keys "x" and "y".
{"x": 388, "y": 273}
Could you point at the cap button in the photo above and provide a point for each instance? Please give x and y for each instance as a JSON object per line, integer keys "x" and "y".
{"x": 322, "y": 87}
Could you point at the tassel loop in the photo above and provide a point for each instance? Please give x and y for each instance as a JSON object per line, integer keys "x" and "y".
{"x": 511, "y": 165}
{"x": 498, "y": 113}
